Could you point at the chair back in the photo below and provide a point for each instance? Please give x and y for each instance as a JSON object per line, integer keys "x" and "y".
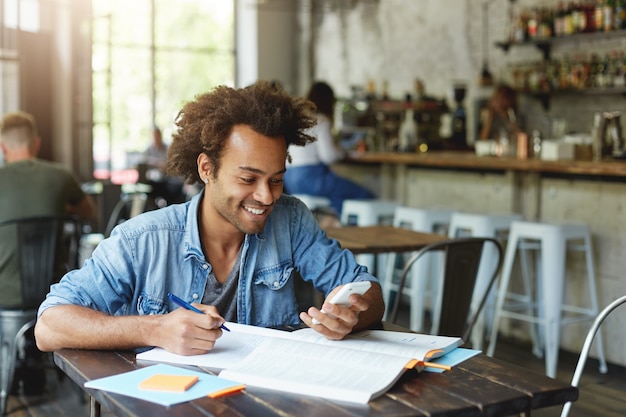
{"x": 457, "y": 312}
{"x": 129, "y": 206}
{"x": 37, "y": 252}
{"x": 584, "y": 353}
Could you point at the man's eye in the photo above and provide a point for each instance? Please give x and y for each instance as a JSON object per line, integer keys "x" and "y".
{"x": 247, "y": 180}
{"x": 276, "y": 181}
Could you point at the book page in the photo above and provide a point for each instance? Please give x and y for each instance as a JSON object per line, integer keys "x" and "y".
{"x": 405, "y": 344}
{"x": 234, "y": 346}
{"x": 229, "y": 349}
{"x": 309, "y": 369}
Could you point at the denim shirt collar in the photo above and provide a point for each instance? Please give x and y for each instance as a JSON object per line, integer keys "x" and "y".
{"x": 193, "y": 244}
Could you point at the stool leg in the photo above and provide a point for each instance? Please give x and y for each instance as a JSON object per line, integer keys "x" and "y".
{"x": 551, "y": 299}
{"x": 538, "y": 330}
{"x": 6, "y": 353}
{"x": 593, "y": 293}
{"x": 435, "y": 280}
{"x": 487, "y": 264}
{"x": 505, "y": 276}
{"x": 380, "y": 262}
{"x": 528, "y": 293}
{"x": 487, "y": 261}
{"x": 387, "y": 281}
{"x": 420, "y": 276}
{"x": 368, "y": 261}
{"x": 94, "y": 408}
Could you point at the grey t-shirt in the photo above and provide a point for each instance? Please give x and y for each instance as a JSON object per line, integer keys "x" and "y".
{"x": 224, "y": 296}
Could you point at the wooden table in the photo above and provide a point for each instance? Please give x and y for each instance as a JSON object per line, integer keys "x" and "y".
{"x": 381, "y": 239}
{"x": 480, "y": 386}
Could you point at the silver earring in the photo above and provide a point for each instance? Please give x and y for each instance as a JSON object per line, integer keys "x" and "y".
{"x": 205, "y": 180}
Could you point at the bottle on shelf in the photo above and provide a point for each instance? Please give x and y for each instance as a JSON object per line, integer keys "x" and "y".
{"x": 522, "y": 146}
{"x": 599, "y": 15}
{"x": 568, "y": 20}
{"x": 533, "y": 22}
{"x": 559, "y": 19}
{"x": 408, "y": 132}
{"x": 608, "y": 15}
{"x": 619, "y": 15}
{"x": 536, "y": 144}
{"x": 590, "y": 20}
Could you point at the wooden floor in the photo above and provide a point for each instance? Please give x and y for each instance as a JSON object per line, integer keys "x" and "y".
{"x": 600, "y": 395}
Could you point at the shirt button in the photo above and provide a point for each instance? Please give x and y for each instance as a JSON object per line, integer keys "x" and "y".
{"x": 195, "y": 296}
{"x": 205, "y": 266}
{"x": 275, "y": 284}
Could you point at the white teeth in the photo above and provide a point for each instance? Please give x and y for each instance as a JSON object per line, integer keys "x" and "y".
{"x": 255, "y": 211}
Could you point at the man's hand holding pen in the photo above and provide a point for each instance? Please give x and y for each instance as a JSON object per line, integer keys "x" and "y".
{"x": 186, "y": 332}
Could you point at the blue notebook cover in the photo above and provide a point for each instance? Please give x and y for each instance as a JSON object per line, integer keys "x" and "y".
{"x": 128, "y": 384}
{"x": 453, "y": 358}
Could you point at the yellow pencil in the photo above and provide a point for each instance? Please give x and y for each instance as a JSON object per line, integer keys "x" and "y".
{"x": 435, "y": 365}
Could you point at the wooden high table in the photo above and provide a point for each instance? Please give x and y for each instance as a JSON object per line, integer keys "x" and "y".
{"x": 480, "y": 386}
{"x": 381, "y": 239}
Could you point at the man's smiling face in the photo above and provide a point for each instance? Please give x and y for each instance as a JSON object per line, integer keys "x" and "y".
{"x": 249, "y": 180}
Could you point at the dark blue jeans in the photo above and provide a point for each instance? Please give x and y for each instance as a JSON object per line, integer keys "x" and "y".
{"x": 319, "y": 180}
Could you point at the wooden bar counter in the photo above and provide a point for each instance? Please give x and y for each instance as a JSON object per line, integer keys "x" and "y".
{"x": 468, "y": 160}
{"x": 590, "y": 192}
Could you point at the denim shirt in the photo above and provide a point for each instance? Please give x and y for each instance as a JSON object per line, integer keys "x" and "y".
{"x": 131, "y": 272}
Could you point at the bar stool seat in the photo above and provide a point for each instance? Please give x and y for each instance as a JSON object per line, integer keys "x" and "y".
{"x": 368, "y": 212}
{"x": 463, "y": 224}
{"x": 544, "y": 307}
{"x": 427, "y": 220}
{"x": 313, "y": 201}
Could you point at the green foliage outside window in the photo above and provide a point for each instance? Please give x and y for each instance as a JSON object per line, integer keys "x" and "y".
{"x": 141, "y": 78}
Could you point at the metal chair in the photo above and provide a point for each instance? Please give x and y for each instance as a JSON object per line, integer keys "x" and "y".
{"x": 129, "y": 206}
{"x": 458, "y": 301}
{"x": 584, "y": 353}
{"x": 426, "y": 220}
{"x": 40, "y": 240}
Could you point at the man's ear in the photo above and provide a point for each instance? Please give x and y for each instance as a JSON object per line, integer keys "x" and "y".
{"x": 205, "y": 167}
{"x": 36, "y": 146}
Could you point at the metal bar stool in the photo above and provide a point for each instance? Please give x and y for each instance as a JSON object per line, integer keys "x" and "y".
{"x": 543, "y": 307}
{"x": 482, "y": 225}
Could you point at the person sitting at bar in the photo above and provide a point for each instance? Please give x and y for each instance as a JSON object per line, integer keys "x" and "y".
{"x": 155, "y": 155}
{"x": 309, "y": 171}
{"x": 165, "y": 189}
{"x": 30, "y": 187}
{"x": 232, "y": 251}
{"x": 500, "y": 117}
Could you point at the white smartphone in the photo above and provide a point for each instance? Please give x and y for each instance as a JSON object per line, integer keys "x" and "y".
{"x": 342, "y": 298}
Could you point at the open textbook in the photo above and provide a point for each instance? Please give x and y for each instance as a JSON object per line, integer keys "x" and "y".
{"x": 357, "y": 369}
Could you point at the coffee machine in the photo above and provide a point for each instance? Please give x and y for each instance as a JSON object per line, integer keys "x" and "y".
{"x": 458, "y": 139}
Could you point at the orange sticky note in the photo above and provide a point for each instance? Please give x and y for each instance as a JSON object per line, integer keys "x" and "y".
{"x": 227, "y": 391}
{"x": 172, "y": 383}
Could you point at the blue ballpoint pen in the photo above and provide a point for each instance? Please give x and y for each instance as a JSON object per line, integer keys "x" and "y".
{"x": 188, "y": 306}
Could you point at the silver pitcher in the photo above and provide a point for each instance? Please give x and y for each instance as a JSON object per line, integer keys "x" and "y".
{"x": 607, "y": 136}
